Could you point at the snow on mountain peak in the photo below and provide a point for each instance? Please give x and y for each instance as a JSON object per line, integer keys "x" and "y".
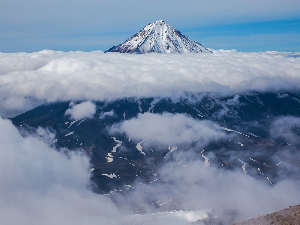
{"x": 158, "y": 37}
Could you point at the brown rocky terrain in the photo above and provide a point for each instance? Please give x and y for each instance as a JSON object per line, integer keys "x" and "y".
{"x": 288, "y": 216}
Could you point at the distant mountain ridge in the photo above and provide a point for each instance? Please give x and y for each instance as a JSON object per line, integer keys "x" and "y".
{"x": 159, "y": 37}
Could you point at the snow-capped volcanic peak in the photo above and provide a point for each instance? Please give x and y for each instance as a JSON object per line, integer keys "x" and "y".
{"x": 158, "y": 37}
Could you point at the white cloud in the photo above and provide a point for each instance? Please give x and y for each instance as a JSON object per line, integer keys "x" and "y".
{"x": 11, "y": 62}
{"x": 170, "y": 129}
{"x": 61, "y": 76}
{"x": 80, "y": 111}
{"x": 38, "y": 183}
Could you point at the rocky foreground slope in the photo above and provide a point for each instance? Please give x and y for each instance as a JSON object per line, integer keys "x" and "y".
{"x": 288, "y": 216}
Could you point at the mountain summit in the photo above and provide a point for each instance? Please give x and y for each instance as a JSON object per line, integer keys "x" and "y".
{"x": 159, "y": 37}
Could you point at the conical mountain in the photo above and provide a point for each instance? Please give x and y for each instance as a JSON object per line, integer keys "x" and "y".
{"x": 159, "y": 37}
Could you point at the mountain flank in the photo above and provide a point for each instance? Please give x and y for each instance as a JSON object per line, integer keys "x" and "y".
{"x": 159, "y": 37}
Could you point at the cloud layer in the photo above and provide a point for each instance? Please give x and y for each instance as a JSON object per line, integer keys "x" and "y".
{"x": 52, "y": 76}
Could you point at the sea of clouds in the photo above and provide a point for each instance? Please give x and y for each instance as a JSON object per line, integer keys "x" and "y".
{"x": 39, "y": 184}
{"x": 28, "y": 79}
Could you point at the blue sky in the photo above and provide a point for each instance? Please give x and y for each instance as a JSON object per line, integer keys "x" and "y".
{"x": 71, "y": 25}
{"x": 280, "y": 35}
